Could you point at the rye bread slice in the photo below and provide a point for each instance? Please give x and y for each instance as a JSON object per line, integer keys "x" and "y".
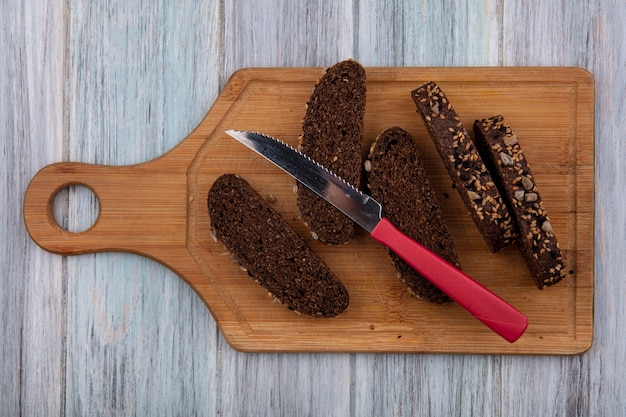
{"x": 503, "y": 154}
{"x": 398, "y": 180}
{"x": 332, "y": 134}
{"x": 465, "y": 166}
{"x": 272, "y": 253}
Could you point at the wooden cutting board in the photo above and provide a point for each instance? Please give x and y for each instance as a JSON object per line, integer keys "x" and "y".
{"x": 158, "y": 209}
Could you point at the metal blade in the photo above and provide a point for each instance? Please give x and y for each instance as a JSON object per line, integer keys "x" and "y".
{"x": 361, "y": 208}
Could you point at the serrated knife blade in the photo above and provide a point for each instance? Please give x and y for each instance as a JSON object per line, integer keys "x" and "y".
{"x": 485, "y": 305}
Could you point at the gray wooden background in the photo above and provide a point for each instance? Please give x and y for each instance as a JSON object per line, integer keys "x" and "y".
{"x": 122, "y": 81}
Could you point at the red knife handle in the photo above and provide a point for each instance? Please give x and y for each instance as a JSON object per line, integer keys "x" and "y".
{"x": 486, "y": 306}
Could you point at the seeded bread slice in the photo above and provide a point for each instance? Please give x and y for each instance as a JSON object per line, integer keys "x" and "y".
{"x": 465, "y": 166}
{"x": 398, "y": 180}
{"x": 273, "y": 254}
{"x": 332, "y": 134}
{"x": 503, "y": 154}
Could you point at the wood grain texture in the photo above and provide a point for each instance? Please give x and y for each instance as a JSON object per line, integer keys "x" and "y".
{"x": 404, "y": 385}
{"x": 158, "y": 209}
{"x": 285, "y": 33}
{"x": 127, "y": 351}
{"x": 32, "y": 302}
{"x": 35, "y": 312}
{"x": 407, "y": 33}
{"x": 591, "y": 384}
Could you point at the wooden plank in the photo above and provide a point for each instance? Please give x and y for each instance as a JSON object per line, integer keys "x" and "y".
{"x": 409, "y": 33}
{"x": 293, "y": 384}
{"x": 429, "y": 385}
{"x": 140, "y": 76}
{"x": 585, "y": 34}
{"x": 285, "y": 33}
{"x": 31, "y": 281}
{"x": 593, "y": 383}
{"x": 143, "y": 210}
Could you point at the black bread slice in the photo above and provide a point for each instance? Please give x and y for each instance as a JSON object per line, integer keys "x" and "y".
{"x": 332, "y": 134}
{"x": 503, "y": 154}
{"x": 465, "y": 166}
{"x": 273, "y": 254}
{"x": 398, "y": 180}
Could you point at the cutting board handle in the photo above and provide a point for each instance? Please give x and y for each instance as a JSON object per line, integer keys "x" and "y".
{"x": 38, "y": 208}
{"x": 120, "y": 208}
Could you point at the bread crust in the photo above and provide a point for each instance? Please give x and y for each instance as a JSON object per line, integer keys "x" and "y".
{"x": 465, "y": 166}
{"x": 398, "y": 180}
{"x": 502, "y": 152}
{"x": 271, "y": 252}
{"x": 332, "y": 134}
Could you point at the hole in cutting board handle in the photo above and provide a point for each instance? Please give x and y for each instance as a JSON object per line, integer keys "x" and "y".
{"x": 75, "y": 208}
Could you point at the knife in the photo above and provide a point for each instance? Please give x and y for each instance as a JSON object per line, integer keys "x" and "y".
{"x": 493, "y": 311}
